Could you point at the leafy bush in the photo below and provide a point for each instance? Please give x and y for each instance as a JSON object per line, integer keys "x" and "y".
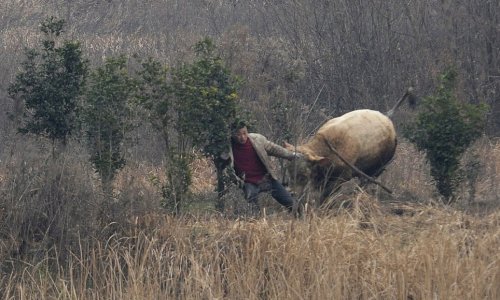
{"x": 50, "y": 84}
{"x": 192, "y": 106}
{"x": 106, "y": 115}
{"x": 206, "y": 105}
{"x": 444, "y": 129}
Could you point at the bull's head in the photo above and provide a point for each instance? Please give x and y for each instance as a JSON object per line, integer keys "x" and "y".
{"x": 309, "y": 156}
{"x": 307, "y": 169}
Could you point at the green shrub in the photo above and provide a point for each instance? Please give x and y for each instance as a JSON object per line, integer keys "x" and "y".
{"x": 192, "y": 106}
{"x": 444, "y": 129}
{"x": 50, "y": 84}
{"x": 206, "y": 105}
{"x": 106, "y": 117}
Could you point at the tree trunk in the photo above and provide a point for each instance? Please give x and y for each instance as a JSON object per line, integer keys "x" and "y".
{"x": 220, "y": 165}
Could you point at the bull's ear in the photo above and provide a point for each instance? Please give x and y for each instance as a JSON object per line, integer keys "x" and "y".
{"x": 321, "y": 160}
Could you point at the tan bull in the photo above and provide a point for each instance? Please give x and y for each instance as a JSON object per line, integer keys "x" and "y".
{"x": 357, "y": 144}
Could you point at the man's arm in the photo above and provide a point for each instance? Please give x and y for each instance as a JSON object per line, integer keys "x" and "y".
{"x": 278, "y": 151}
{"x": 272, "y": 149}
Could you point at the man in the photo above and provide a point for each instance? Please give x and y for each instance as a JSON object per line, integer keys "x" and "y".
{"x": 251, "y": 163}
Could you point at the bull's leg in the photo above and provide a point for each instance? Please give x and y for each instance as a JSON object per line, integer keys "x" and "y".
{"x": 324, "y": 186}
{"x": 377, "y": 172}
{"x": 330, "y": 190}
{"x": 377, "y": 169}
{"x": 308, "y": 197}
{"x": 326, "y": 189}
{"x": 334, "y": 184}
{"x": 326, "y": 193}
{"x": 374, "y": 173}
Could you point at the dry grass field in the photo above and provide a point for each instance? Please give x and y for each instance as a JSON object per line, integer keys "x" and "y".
{"x": 428, "y": 252}
{"x": 379, "y": 247}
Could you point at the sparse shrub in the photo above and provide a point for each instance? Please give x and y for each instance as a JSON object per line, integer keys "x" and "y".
{"x": 106, "y": 117}
{"x": 193, "y": 108}
{"x": 444, "y": 129}
{"x": 154, "y": 95}
{"x": 176, "y": 189}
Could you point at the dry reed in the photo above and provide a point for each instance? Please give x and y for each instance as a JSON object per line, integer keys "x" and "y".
{"x": 427, "y": 253}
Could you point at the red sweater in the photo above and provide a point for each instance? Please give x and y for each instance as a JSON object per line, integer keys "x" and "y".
{"x": 247, "y": 162}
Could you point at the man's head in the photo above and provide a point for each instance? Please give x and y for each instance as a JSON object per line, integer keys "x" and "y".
{"x": 239, "y": 133}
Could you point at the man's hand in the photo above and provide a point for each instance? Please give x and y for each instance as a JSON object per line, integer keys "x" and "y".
{"x": 288, "y": 146}
{"x": 240, "y": 183}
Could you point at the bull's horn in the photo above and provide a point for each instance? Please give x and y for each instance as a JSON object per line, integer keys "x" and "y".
{"x": 313, "y": 157}
{"x": 411, "y": 100}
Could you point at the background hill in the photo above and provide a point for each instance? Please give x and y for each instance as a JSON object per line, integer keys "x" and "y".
{"x": 359, "y": 55}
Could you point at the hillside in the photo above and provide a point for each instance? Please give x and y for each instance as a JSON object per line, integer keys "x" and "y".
{"x": 357, "y": 55}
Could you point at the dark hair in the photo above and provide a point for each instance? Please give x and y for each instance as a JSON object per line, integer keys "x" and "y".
{"x": 237, "y": 125}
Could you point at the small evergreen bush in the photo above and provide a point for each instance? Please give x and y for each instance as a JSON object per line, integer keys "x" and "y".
{"x": 444, "y": 129}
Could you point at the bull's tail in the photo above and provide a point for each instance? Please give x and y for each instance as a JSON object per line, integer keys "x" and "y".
{"x": 411, "y": 101}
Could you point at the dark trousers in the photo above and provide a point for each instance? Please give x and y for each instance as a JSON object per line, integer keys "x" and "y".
{"x": 278, "y": 192}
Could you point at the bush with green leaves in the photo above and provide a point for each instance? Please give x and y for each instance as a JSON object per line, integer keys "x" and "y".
{"x": 154, "y": 95}
{"x": 50, "y": 84}
{"x": 444, "y": 129}
{"x": 206, "y": 105}
{"x": 206, "y": 100}
{"x": 179, "y": 178}
{"x": 192, "y": 108}
{"x": 106, "y": 116}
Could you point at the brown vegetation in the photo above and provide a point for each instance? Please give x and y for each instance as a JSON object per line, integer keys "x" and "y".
{"x": 60, "y": 238}
{"x": 428, "y": 252}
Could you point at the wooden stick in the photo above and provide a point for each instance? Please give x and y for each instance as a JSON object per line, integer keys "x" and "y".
{"x": 371, "y": 179}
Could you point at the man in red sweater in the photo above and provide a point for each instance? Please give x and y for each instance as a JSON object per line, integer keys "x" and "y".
{"x": 250, "y": 161}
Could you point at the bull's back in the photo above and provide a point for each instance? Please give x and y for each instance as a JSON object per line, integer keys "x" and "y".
{"x": 366, "y": 138}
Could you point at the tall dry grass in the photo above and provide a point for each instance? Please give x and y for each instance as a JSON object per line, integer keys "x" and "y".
{"x": 79, "y": 245}
{"x": 409, "y": 176}
{"x": 428, "y": 253}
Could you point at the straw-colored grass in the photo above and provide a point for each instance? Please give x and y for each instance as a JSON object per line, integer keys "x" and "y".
{"x": 427, "y": 253}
